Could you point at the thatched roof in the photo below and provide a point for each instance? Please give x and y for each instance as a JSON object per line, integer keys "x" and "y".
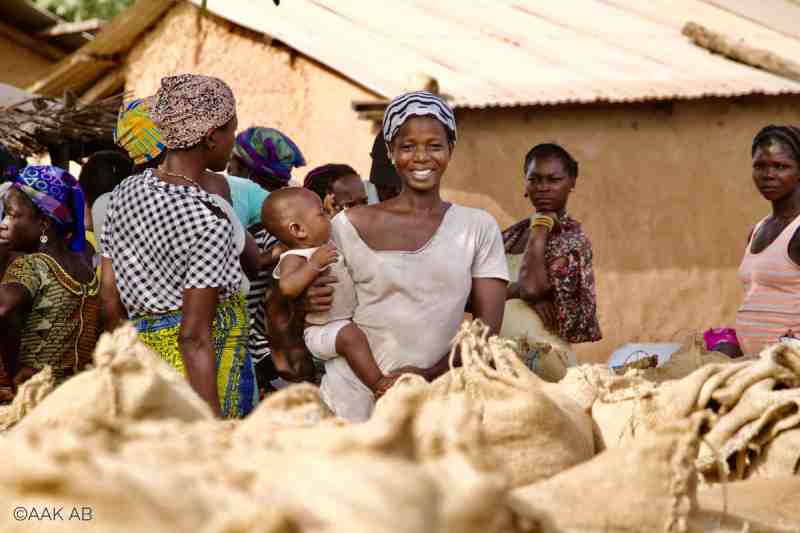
{"x": 33, "y": 124}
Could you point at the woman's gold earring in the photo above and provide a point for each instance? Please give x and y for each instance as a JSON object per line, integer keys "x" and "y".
{"x": 43, "y": 238}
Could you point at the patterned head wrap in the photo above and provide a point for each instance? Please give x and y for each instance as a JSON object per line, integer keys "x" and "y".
{"x": 136, "y": 132}
{"x": 417, "y": 104}
{"x": 189, "y": 106}
{"x": 789, "y": 135}
{"x": 268, "y": 153}
{"x": 58, "y": 195}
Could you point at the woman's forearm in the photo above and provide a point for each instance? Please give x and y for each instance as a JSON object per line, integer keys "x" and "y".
{"x": 533, "y": 281}
{"x": 112, "y": 311}
{"x": 198, "y": 356}
{"x": 196, "y": 345}
{"x": 251, "y": 257}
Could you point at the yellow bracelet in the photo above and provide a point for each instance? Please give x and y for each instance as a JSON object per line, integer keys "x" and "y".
{"x": 538, "y": 224}
{"x": 543, "y": 221}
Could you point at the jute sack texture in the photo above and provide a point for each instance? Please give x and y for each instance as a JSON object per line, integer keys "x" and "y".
{"x": 756, "y": 506}
{"x": 442, "y": 435}
{"x": 29, "y": 395}
{"x": 691, "y": 356}
{"x": 523, "y": 326}
{"x": 748, "y": 405}
{"x": 651, "y": 486}
{"x": 128, "y": 382}
{"x": 535, "y": 429}
{"x": 525, "y": 329}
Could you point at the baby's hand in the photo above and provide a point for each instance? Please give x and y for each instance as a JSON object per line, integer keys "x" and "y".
{"x": 325, "y": 256}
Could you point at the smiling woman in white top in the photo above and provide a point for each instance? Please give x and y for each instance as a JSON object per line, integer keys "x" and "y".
{"x": 417, "y": 262}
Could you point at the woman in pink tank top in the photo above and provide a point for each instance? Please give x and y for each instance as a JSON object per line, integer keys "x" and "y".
{"x": 770, "y": 269}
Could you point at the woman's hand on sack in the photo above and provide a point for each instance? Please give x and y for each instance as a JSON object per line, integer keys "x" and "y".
{"x": 383, "y": 385}
{"x": 387, "y": 382}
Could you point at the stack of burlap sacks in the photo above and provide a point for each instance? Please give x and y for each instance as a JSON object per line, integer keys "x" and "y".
{"x": 489, "y": 447}
{"x": 746, "y": 450}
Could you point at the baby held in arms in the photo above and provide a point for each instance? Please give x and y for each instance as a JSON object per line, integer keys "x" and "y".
{"x": 296, "y": 217}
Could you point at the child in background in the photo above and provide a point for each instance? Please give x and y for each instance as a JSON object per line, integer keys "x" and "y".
{"x": 338, "y": 186}
{"x": 297, "y": 218}
{"x": 348, "y": 191}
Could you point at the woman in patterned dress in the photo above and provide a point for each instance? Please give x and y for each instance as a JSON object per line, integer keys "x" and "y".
{"x": 49, "y": 293}
{"x": 180, "y": 284}
{"x": 555, "y": 273}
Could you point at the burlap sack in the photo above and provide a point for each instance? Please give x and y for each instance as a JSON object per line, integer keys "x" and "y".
{"x": 649, "y": 486}
{"x": 617, "y": 410}
{"x": 780, "y": 457}
{"x": 255, "y": 519}
{"x": 29, "y": 395}
{"x": 755, "y": 506}
{"x": 297, "y": 406}
{"x": 169, "y": 475}
{"x": 753, "y": 401}
{"x": 348, "y": 492}
{"x": 388, "y": 431}
{"x": 442, "y": 435}
{"x": 523, "y": 327}
{"x": 689, "y": 358}
{"x": 128, "y": 382}
{"x": 536, "y": 430}
{"x": 584, "y": 383}
{"x": 451, "y": 445}
{"x": 68, "y": 481}
{"x": 747, "y": 405}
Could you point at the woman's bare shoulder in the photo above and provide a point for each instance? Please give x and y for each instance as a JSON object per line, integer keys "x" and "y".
{"x": 365, "y": 216}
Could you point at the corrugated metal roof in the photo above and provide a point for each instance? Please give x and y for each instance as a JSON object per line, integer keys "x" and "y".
{"x": 520, "y": 52}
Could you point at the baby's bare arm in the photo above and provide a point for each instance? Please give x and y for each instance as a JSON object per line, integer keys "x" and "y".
{"x": 297, "y": 274}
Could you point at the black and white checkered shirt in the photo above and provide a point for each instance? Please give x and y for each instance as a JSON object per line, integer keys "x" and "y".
{"x": 164, "y": 238}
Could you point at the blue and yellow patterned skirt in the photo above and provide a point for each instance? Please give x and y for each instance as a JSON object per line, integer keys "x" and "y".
{"x": 236, "y": 378}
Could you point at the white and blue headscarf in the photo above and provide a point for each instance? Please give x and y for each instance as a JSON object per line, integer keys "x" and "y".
{"x": 417, "y": 104}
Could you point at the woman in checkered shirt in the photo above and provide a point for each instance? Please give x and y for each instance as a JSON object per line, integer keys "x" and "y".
{"x": 171, "y": 250}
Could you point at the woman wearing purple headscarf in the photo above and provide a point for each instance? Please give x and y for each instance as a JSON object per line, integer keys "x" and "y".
{"x": 266, "y": 156}
{"x": 49, "y": 294}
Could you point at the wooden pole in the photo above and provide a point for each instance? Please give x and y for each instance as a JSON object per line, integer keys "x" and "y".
{"x": 71, "y": 28}
{"x": 738, "y": 50}
{"x": 35, "y": 45}
{"x": 110, "y": 84}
